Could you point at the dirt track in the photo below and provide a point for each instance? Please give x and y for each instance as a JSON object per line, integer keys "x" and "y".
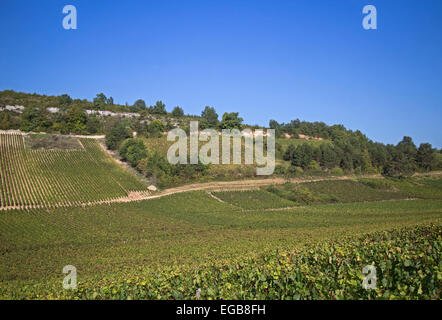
{"x": 256, "y": 183}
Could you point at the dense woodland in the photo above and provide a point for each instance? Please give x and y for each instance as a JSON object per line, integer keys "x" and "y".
{"x": 345, "y": 150}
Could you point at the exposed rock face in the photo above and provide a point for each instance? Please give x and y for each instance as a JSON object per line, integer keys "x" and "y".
{"x": 18, "y": 109}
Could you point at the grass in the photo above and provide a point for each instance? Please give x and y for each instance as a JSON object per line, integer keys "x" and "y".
{"x": 256, "y": 199}
{"x": 52, "y": 142}
{"x": 358, "y": 190}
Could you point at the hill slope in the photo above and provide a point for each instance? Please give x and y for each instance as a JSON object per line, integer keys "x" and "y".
{"x": 55, "y": 177}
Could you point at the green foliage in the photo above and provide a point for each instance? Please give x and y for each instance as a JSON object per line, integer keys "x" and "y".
{"x": 76, "y": 120}
{"x": 256, "y": 199}
{"x": 140, "y": 104}
{"x": 93, "y": 125}
{"x": 177, "y": 112}
{"x": 407, "y": 262}
{"x": 133, "y": 151}
{"x": 100, "y": 100}
{"x": 231, "y": 121}
{"x": 426, "y": 157}
{"x": 158, "y": 108}
{"x": 209, "y": 118}
{"x": 331, "y": 191}
{"x": 117, "y": 133}
{"x": 34, "y": 119}
{"x": 64, "y": 100}
{"x": 155, "y": 128}
{"x": 337, "y": 171}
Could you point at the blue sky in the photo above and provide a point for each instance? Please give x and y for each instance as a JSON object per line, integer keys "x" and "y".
{"x": 272, "y": 59}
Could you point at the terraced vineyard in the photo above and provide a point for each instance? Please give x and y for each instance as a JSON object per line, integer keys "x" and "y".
{"x": 32, "y": 178}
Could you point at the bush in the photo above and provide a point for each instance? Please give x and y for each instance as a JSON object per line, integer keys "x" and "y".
{"x": 177, "y": 112}
{"x": 155, "y": 129}
{"x": 337, "y": 171}
{"x": 116, "y": 135}
{"x": 313, "y": 165}
{"x": 133, "y": 150}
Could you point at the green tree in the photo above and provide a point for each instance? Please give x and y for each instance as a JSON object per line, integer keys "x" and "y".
{"x": 400, "y": 165}
{"x": 100, "y": 100}
{"x": 93, "y": 125}
{"x": 155, "y": 128}
{"x": 210, "y": 118}
{"x": 408, "y": 148}
{"x": 303, "y": 155}
{"x": 140, "y": 104}
{"x": 133, "y": 151}
{"x": 64, "y": 100}
{"x": 159, "y": 108}
{"x": 289, "y": 152}
{"x": 35, "y": 119}
{"x": 76, "y": 120}
{"x": 177, "y": 112}
{"x": 426, "y": 156}
{"x": 231, "y": 121}
{"x": 117, "y": 133}
{"x": 329, "y": 158}
{"x": 156, "y": 168}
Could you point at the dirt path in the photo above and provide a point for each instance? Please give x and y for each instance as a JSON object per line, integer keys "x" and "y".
{"x": 209, "y": 187}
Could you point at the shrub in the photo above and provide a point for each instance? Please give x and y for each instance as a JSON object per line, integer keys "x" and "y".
{"x": 118, "y": 133}
{"x": 133, "y": 150}
{"x": 177, "y": 112}
{"x": 337, "y": 171}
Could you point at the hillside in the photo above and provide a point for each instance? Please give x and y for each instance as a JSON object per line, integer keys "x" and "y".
{"x": 80, "y": 174}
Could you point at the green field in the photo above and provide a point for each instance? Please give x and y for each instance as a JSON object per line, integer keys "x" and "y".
{"x": 187, "y": 233}
{"x": 295, "y": 240}
{"x": 254, "y": 199}
{"x": 59, "y": 177}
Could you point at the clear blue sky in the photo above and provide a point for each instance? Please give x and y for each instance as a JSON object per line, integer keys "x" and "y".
{"x": 279, "y": 60}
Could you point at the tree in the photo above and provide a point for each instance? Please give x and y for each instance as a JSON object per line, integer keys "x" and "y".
{"x": 329, "y": 158}
{"x": 159, "y": 108}
{"x": 140, "y": 104}
{"x": 273, "y": 124}
{"x": 117, "y": 133}
{"x": 408, "y": 148}
{"x": 210, "y": 118}
{"x": 64, "y": 100}
{"x": 133, "y": 151}
{"x": 100, "y": 100}
{"x": 426, "y": 156}
{"x": 93, "y": 124}
{"x": 156, "y": 168}
{"x": 289, "y": 152}
{"x": 231, "y": 121}
{"x": 177, "y": 112}
{"x": 76, "y": 120}
{"x": 400, "y": 165}
{"x": 35, "y": 119}
{"x": 303, "y": 155}
{"x": 155, "y": 128}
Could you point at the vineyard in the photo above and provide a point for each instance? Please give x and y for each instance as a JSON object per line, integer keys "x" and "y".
{"x": 166, "y": 248}
{"x": 33, "y": 178}
{"x": 284, "y": 239}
